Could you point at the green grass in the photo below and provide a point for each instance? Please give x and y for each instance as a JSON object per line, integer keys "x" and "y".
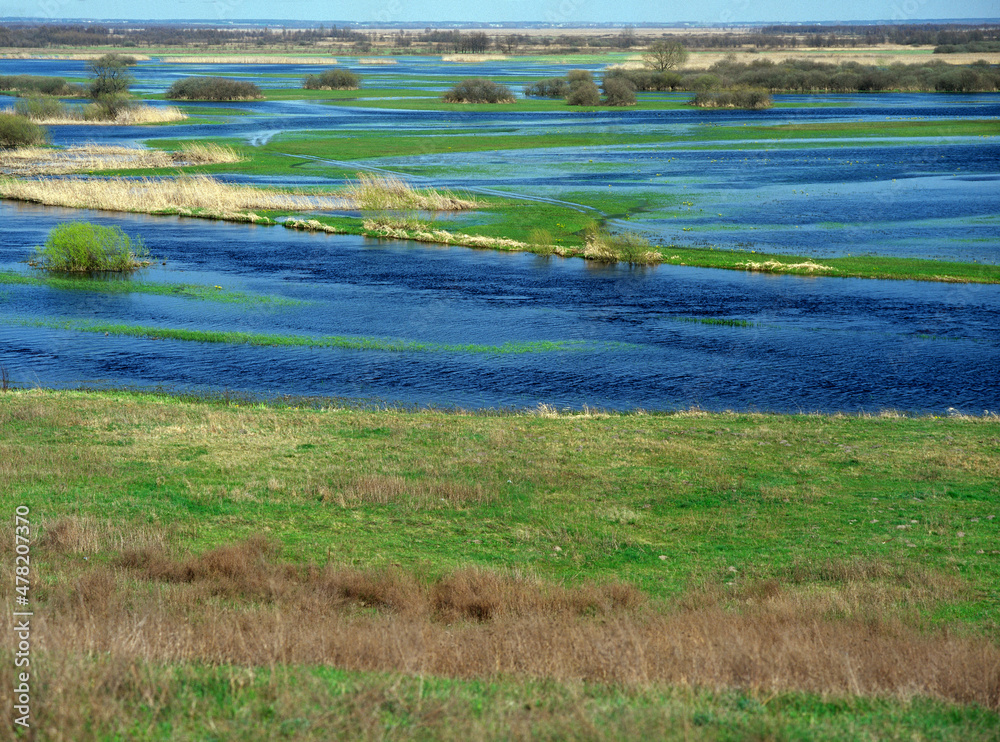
{"x": 848, "y": 267}
{"x": 851, "y": 129}
{"x": 761, "y": 493}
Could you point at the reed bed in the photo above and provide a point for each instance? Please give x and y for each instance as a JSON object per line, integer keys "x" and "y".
{"x": 180, "y": 195}
{"x": 245, "y": 59}
{"x": 131, "y": 116}
{"x": 473, "y": 58}
{"x": 376, "y": 61}
{"x": 78, "y": 56}
{"x": 48, "y": 161}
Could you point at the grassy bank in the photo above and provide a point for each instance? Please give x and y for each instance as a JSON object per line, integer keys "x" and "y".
{"x": 265, "y": 566}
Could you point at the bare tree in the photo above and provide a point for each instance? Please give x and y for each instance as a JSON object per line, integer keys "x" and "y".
{"x": 665, "y": 55}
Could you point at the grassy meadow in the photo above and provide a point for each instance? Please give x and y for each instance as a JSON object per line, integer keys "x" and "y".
{"x": 202, "y": 566}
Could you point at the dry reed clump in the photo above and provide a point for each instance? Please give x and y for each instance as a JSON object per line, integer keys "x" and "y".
{"x": 149, "y": 195}
{"x": 197, "y": 153}
{"x": 774, "y": 266}
{"x": 49, "y": 161}
{"x": 621, "y": 248}
{"x": 310, "y": 225}
{"x": 376, "y": 61}
{"x": 127, "y": 116}
{"x": 240, "y": 605}
{"x": 376, "y": 191}
{"x": 402, "y": 229}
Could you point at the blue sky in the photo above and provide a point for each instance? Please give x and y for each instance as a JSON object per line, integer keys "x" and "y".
{"x": 557, "y": 11}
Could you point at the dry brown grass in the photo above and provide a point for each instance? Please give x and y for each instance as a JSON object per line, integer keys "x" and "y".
{"x": 774, "y": 266}
{"x": 247, "y": 59}
{"x": 149, "y": 195}
{"x": 241, "y": 605}
{"x": 131, "y": 116}
{"x": 881, "y": 55}
{"x": 50, "y": 161}
{"x": 379, "y": 191}
{"x": 79, "y": 56}
{"x": 197, "y": 153}
{"x": 473, "y": 58}
{"x": 403, "y": 229}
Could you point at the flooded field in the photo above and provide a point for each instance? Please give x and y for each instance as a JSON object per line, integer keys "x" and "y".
{"x": 432, "y": 325}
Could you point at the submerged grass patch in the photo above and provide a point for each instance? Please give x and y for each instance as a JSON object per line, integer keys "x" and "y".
{"x": 131, "y": 286}
{"x": 329, "y": 341}
{"x": 881, "y": 267}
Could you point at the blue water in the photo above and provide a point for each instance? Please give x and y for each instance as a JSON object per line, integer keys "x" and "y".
{"x": 813, "y": 344}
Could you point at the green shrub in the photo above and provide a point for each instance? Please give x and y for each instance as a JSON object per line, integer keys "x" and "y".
{"x": 85, "y": 247}
{"x": 17, "y": 131}
{"x": 332, "y": 80}
{"x": 39, "y": 85}
{"x": 37, "y": 108}
{"x": 478, "y": 90}
{"x": 213, "y": 88}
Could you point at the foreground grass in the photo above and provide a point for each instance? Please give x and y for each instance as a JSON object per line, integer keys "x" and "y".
{"x": 424, "y": 575}
{"x": 247, "y": 570}
{"x": 109, "y": 699}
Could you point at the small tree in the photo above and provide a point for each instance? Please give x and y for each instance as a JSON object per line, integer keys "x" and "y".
{"x": 665, "y": 55}
{"x": 111, "y": 75}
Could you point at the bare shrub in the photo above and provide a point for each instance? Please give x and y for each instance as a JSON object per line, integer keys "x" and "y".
{"x": 332, "y": 80}
{"x": 213, "y": 88}
{"x": 478, "y": 90}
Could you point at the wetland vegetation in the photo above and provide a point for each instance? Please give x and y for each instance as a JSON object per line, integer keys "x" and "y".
{"x": 81, "y": 247}
{"x": 222, "y": 559}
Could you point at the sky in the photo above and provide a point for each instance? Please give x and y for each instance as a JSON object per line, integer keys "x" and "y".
{"x": 553, "y": 11}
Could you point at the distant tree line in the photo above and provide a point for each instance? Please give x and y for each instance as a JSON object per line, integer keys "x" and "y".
{"x": 431, "y": 40}
{"x": 807, "y": 76}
